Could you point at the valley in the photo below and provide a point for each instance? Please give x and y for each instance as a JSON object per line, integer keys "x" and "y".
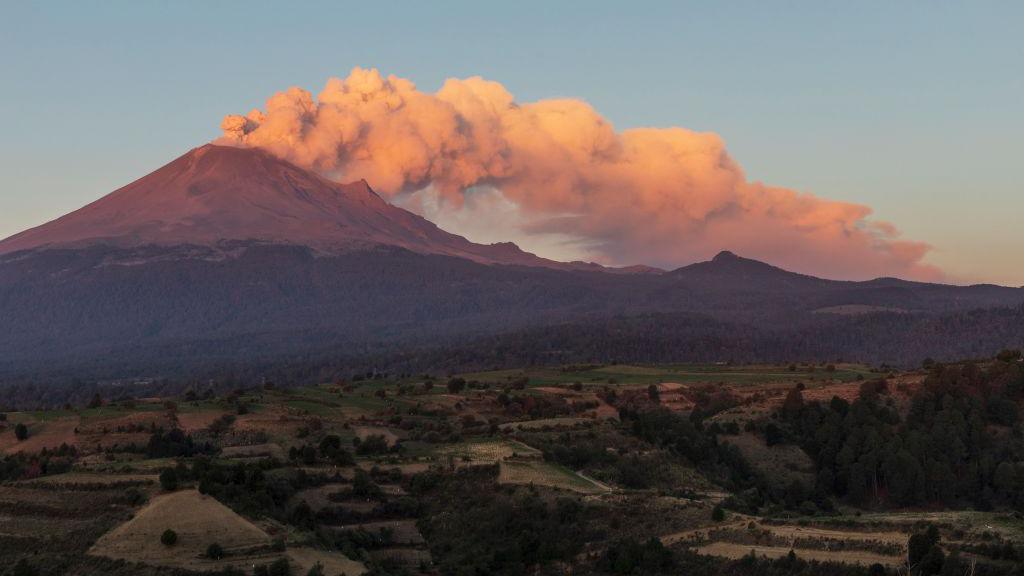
{"x": 651, "y": 467}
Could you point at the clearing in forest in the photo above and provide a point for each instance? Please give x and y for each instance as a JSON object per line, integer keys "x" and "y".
{"x": 781, "y": 463}
{"x": 541, "y": 473}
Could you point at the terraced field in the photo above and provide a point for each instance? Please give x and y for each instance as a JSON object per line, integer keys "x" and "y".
{"x": 199, "y": 521}
{"x": 540, "y": 473}
{"x": 491, "y": 451}
{"x": 285, "y": 478}
{"x": 736, "y": 551}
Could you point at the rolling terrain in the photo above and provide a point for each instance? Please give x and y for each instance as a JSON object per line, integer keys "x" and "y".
{"x": 601, "y": 469}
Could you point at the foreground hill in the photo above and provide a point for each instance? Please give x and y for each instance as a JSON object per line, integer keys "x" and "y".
{"x": 229, "y": 257}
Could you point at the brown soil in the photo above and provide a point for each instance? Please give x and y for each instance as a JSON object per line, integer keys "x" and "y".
{"x": 199, "y": 521}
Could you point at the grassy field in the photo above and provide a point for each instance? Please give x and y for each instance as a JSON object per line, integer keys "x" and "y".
{"x": 736, "y": 551}
{"x": 683, "y": 373}
{"x": 546, "y": 474}
{"x": 332, "y": 563}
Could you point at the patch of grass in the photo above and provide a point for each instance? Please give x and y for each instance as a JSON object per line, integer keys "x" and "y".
{"x": 313, "y": 407}
{"x": 547, "y": 474}
{"x": 624, "y": 374}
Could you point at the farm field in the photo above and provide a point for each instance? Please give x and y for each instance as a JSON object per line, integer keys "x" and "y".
{"x": 490, "y": 451}
{"x": 737, "y": 551}
{"x": 682, "y": 373}
{"x": 401, "y": 473}
{"x": 548, "y": 475}
{"x": 332, "y": 563}
{"x": 198, "y": 521}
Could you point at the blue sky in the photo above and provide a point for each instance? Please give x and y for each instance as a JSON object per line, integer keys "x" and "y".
{"x": 913, "y": 108}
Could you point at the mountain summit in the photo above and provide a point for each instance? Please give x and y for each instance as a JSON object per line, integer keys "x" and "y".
{"x": 216, "y": 194}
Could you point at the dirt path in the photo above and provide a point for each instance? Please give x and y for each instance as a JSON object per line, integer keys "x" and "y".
{"x": 595, "y": 482}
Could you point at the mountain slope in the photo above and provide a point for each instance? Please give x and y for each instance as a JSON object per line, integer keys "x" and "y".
{"x": 230, "y": 255}
{"x": 215, "y": 194}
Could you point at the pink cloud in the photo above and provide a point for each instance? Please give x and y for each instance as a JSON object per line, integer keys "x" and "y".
{"x": 663, "y": 196}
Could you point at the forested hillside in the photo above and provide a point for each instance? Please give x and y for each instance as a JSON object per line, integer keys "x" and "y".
{"x": 958, "y": 443}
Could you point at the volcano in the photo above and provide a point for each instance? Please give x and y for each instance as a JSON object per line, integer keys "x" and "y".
{"x": 217, "y": 196}
{"x": 233, "y": 259}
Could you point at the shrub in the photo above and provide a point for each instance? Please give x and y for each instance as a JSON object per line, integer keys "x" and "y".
{"x": 214, "y": 551}
{"x": 279, "y": 567}
{"x": 134, "y": 497}
{"x": 308, "y": 454}
{"x": 169, "y": 537}
{"x": 330, "y": 445}
{"x": 456, "y": 385}
{"x": 169, "y": 479}
{"x": 773, "y": 434}
{"x": 718, "y": 514}
{"x": 632, "y": 557}
{"x": 364, "y": 486}
{"x": 372, "y": 444}
{"x": 21, "y": 431}
{"x": 920, "y": 545}
{"x": 23, "y": 568}
{"x": 221, "y": 424}
{"x": 653, "y": 394}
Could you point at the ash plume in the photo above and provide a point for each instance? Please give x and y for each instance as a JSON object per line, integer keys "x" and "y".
{"x": 660, "y": 196}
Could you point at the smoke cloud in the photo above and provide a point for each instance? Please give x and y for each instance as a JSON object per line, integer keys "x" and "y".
{"x": 660, "y": 196}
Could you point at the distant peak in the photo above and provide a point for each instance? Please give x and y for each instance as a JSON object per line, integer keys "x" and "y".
{"x": 725, "y": 255}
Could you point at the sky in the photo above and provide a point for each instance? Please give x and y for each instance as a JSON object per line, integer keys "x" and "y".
{"x": 911, "y": 108}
